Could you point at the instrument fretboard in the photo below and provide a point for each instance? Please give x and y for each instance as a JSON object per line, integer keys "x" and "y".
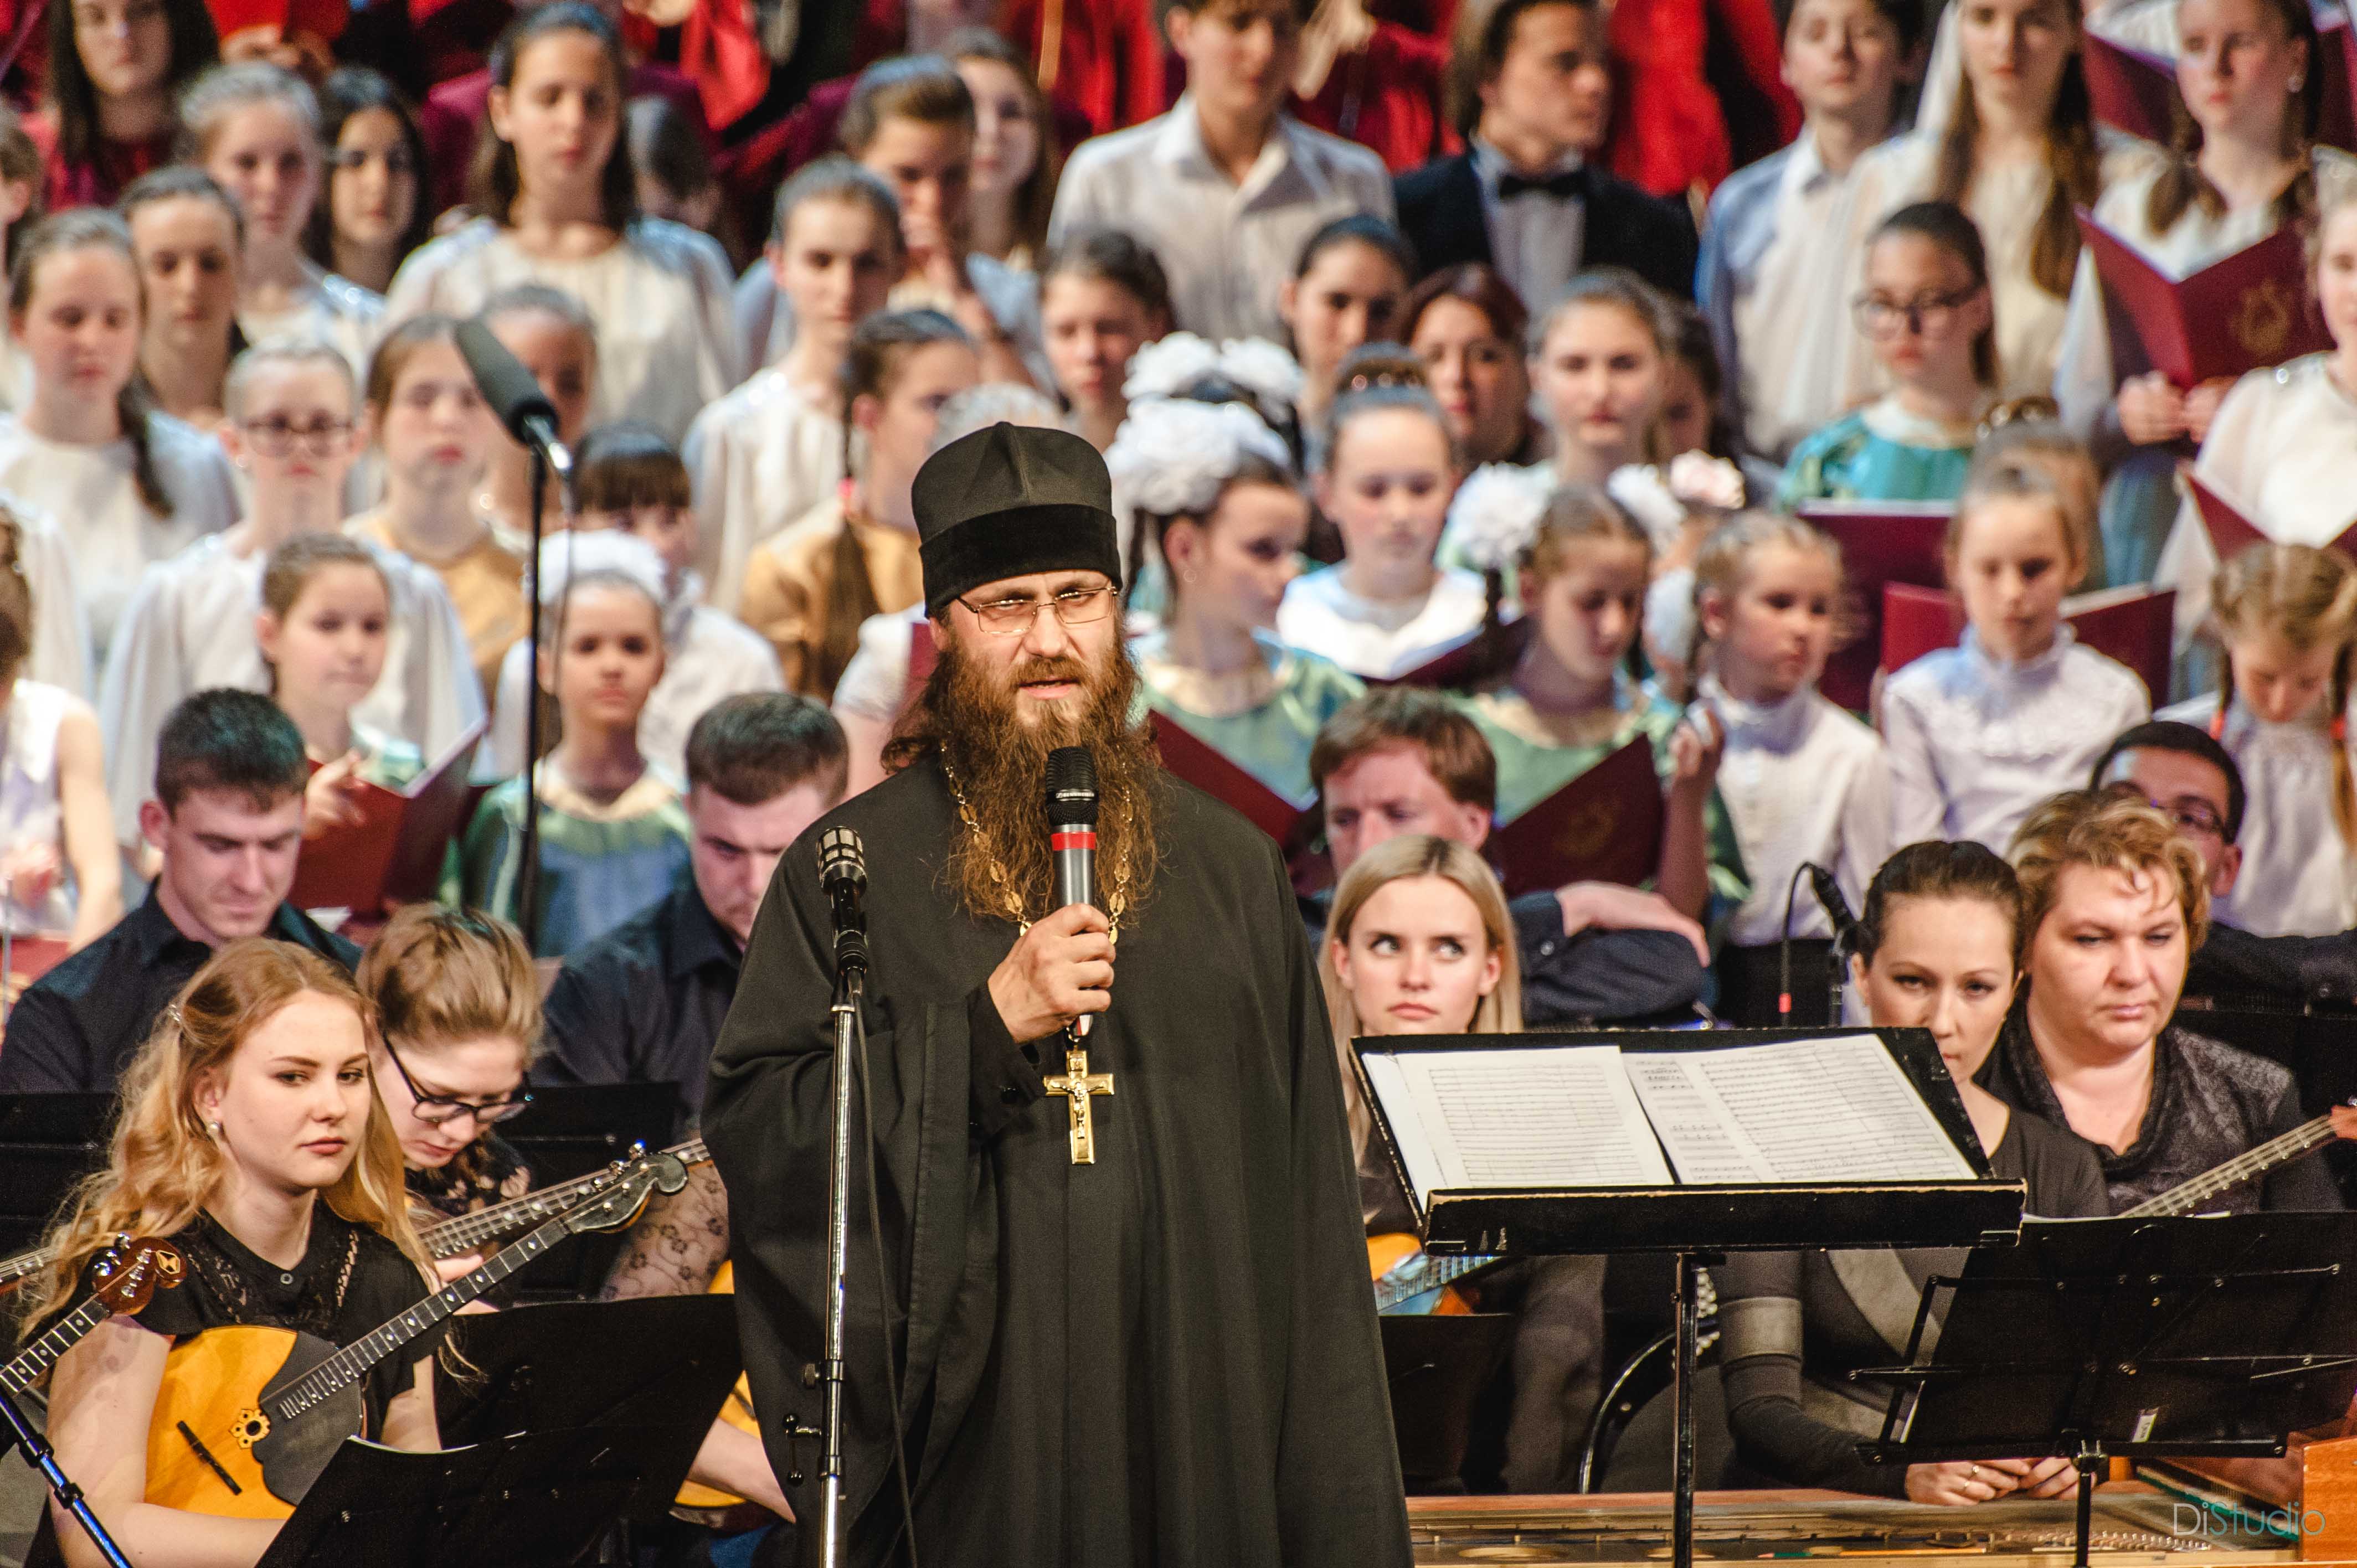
{"x": 2248, "y": 1165}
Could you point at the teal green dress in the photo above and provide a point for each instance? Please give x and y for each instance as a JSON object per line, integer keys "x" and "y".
{"x": 1263, "y": 719}
{"x": 1532, "y": 766}
{"x": 1879, "y": 453}
{"x": 600, "y": 863}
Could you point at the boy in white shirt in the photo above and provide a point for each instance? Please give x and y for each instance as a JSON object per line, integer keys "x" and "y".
{"x": 1225, "y": 188}
{"x": 1776, "y": 267}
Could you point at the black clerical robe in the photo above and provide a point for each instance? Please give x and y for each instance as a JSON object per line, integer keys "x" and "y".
{"x": 1169, "y": 1357}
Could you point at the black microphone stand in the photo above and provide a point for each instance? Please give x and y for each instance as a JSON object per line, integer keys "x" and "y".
{"x": 44, "y": 1459}
{"x": 528, "y": 878}
{"x": 851, "y": 961}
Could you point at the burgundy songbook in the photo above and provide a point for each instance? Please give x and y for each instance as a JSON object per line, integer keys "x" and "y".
{"x": 392, "y": 855}
{"x": 2236, "y": 315}
{"x": 1199, "y": 762}
{"x": 1470, "y": 660}
{"x": 2132, "y": 625}
{"x": 2132, "y": 90}
{"x": 1881, "y": 541}
{"x": 2231, "y": 532}
{"x": 1603, "y": 826}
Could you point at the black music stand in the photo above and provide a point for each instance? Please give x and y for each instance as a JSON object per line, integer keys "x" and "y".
{"x": 566, "y": 1365}
{"x": 1701, "y": 1224}
{"x": 570, "y": 1132}
{"x": 2096, "y": 1337}
{"x": 48, "y": 1143}
{"x": 539, "y": 1500}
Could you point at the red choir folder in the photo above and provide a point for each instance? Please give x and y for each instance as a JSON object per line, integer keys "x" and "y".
{"x": 29, "y": 958}
{"x": 2132, "y": 89}
{"x": 1472, "y": 659}
{"x": 2133, "y": 625}
{"x": 2236, "y": 315}
{"x": 922, "y": 656}
{"x": 393, "y": 854}
{"x": 1881, "y": 542}
{"x": 1603, "y": 826}
{"x": 1196, "y": 760}
{"x": 2231, "y": 532}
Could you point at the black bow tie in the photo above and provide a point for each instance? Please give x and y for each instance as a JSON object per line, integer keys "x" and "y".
{"x": 1562, "y": 186}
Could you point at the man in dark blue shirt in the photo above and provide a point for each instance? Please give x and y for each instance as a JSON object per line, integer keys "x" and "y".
{"x": 227, "y": 817}
{"x": 644, "y": 1002}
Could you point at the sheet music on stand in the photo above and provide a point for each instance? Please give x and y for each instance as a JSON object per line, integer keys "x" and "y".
{"x": 1546, "y": 1145}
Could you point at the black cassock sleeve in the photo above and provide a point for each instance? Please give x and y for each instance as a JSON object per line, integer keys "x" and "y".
{"x": 768, "y": 1115}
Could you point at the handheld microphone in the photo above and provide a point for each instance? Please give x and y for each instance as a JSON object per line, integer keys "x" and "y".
{"x": 522, "y": 407}
{"x": 842, "y": 878}
{"x": 1072, "y": 831}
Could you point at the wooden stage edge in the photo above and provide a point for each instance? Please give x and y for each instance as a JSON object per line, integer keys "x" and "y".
{"x": 2134, "y": 1523}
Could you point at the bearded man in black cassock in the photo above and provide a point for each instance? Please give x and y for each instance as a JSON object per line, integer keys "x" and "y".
{"x": 1168, "y": 1356}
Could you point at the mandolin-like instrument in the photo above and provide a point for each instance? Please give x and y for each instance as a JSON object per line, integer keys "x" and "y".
{"x": 2249, "y": 1166}
{"x": 450, "y": 1238}
{"x": 247, "y": 1416}
{"x": 128, "y": 1275}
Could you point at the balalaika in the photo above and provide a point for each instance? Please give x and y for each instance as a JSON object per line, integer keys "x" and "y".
{"x": 127, "y": 1275}
{"x": 247, "y": 1417}
{"x": 450, "y": 1238}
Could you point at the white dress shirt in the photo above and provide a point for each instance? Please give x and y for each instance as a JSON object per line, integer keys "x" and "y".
{"x": 759, "y": 459}
{"x": 1377, "y": 639}
{"x": 91, "y": 493}
{"x": 190, "y": 628}
{"x": 1803, "y": 781}
{"x": 1775, "y": 283}
{"x": 706, "y": 656}
{"x": 2282, "y": 450}
{"x": 2299, "y": 877}
{"x": 1536, "y": 239}
{"x": 1977, "y": 742}
{"x": 1226, "y": 246}
{"x": 660, "y": 296}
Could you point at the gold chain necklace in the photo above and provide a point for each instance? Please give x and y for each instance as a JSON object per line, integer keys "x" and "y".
{"x": 1011, "y": 904}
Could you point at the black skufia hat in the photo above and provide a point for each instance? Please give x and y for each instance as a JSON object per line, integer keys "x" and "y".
{"x": 1010, "y": 500}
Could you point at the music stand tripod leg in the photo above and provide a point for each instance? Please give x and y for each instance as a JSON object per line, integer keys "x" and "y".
{"x": 1689, "y": 1315}
{"x": 2089, "y": 1462}
{"x": 43, "y": 1458}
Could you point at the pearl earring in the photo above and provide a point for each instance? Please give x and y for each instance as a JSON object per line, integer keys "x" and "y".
{"x": 214, "y": 1128}
{"x": 2295, "y": 84}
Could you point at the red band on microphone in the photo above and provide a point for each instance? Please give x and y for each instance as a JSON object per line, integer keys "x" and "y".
{"x": 1084, "y": 839}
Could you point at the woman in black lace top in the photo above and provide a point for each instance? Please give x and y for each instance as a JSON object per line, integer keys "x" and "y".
{"x": 249, "y": 1105}
{"x": 2115, "y": 899}
{"x": 458, "y": 1009}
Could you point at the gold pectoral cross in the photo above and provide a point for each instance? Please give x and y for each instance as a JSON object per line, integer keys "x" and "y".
{"x": 1077, "y": 1083}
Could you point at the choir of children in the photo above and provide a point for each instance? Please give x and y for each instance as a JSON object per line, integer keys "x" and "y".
{"x": 1497, "y": 455}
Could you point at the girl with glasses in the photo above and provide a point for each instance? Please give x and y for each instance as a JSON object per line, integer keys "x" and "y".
{"x": 457, "y": 1011}
{"x": 808, "y": 588}
{"x": 193, "y": 623}
{"x": 1928, "y": 313}
{"x": 613, "y": 831}
{"x": 2286, "y": 618}
{"x": 374, "y": 212}
{"x": 255, "y": 128}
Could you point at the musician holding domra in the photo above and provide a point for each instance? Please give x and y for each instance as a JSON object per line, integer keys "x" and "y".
{"x": 2114, "y": 898}
{"x": 251, "y": 1102}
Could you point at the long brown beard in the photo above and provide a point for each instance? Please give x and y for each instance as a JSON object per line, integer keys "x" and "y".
{"x": 999, "y": 764}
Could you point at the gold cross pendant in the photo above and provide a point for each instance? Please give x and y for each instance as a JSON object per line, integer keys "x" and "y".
{"x": 1076, "y": 1083}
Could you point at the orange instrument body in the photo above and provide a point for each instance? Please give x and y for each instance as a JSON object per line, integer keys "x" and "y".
{"x": 211, "y": 1449}
{"x": 737, "y": 1411}
{"x": 1387, "y": 1252}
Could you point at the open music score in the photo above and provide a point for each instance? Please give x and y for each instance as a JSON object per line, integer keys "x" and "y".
{"x": 1791, "y": 1112}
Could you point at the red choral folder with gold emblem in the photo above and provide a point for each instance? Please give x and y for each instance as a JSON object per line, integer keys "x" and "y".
{"x": 2249, "y": 310}
{"x": 2231, "y": 532}
{"x": 1603, "y": 826}
{"x": 2132, "y": 625}
{"x": 1881, "y": 541}
{"x": 392, "y": 855}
